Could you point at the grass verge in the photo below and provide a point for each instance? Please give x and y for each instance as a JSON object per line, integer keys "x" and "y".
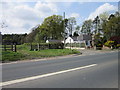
{"x": 23, "y": 52}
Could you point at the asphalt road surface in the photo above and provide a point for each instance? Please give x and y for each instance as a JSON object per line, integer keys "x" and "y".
{"x": 92, "y": 71}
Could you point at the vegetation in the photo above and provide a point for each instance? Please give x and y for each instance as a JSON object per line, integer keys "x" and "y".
{"x": 104, "y": 27}
{"x": 13, "y": 38}
{"x": 118, "y": 45}
{"x": 96, "y": 23}
{"x": 109, "y": 43}
{"x": 31, "y": 36}
{"x": 112, "y": 27}
{"x": 87, "y": 27}
{"x": 76, "y": 33}
{"x": 23, "y": 52}
{"x": 11, "y": 56}
{"x": 51, "y": 28}
{"x": 98, "y": 41}
{"x": 42, "y": 46}
{"x": 70, "y": 25}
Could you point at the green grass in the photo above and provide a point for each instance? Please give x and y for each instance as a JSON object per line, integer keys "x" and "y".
{"x": 23, "y": 52}
{"x": 11, "y": 56}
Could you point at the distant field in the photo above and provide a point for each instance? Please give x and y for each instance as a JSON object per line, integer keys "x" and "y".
{"x": 23, "y": 52}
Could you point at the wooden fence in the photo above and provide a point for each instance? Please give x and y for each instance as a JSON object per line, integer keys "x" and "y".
{"x": 82, "y": 45}
{"x": 39, "y": 46}
{"x": 11, "y": 47}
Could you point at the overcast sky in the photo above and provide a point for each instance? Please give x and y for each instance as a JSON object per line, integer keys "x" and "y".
{"x": 20, "y": 17}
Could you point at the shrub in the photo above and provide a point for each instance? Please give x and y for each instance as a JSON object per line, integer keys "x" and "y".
{"x": 116, "y": 39}
{"x": 118, "y": 45}
{"x": 109, "y": 43}
{"x": 99, "y": 45}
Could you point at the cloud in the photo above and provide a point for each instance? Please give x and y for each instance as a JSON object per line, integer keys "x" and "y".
{"x": 46, "y": 7}
{"x": 103, "y": 8}
{"x": 20, "y": 17}
{"x": 76, "y": 15}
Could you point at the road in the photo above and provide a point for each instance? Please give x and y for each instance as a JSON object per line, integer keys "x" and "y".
{"x": 92, "y": 71}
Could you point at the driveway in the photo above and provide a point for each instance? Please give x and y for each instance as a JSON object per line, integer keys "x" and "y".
{"x": 92, "y": 51}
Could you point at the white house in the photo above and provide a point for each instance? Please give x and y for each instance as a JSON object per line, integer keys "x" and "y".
{"x": 71, "y": 40}
{"x": 83, "y": 38}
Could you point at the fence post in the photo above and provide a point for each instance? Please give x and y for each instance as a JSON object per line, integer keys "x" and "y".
{"x": 31, "y": 47}
{"x": 15, "y": 48}
{"x": 5, "y": 47}
{"x": 80, "y": 44}
{"x": 48, "y": 46}
{"x": 70, "y": 43}
{"x": 38, "y": 47}
{"x": 12, "y": 46}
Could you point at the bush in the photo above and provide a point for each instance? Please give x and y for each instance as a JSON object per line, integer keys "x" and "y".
{"x": 98, "y": 42}
{"x": 56, "y": 45}
{"x": 98, "y": 48}
{"x": 118, "y": 45}
{"x": 99, "y": 45}
{"x": 116, "y": 39}
{"x": 109, "y": 43}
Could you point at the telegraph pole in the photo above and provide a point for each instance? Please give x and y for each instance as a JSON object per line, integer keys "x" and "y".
{"x": 64, "y": 27}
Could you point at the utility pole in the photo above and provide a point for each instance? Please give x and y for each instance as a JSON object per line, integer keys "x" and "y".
{"x": 64, "y": 27}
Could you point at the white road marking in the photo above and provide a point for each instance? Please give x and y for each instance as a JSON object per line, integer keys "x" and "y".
{"x": 42, "y": 76}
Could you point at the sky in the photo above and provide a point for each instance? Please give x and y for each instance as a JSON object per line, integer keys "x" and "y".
{"x": 21, "y": 17}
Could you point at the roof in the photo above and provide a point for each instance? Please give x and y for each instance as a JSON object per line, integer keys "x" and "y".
{"x": 74, "y": 38}
{"x": 54, "y": 40}
{"x": 84, "y": 37}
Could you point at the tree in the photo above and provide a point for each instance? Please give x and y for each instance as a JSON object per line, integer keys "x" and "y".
{"x": 31, "y": 36}
{"x": 112, "y": 27}
{"x": 75, "y": 33}
{"x": 70, "y": 25}
{"x": 13, "y": 38}
{"x": 96, "y": 23}
{"x": 38, "y": 38}
{"x": 103, "y": 20}
{"x": 3, "y": 25}
{"x": 87, "y": 27}
{"x": 117, "y": 14}
{"x": 52, "y": 27}
{"x": 78, "y": 28}
{"x": 111, "y": 16}
{"x": 104, "y": 16}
